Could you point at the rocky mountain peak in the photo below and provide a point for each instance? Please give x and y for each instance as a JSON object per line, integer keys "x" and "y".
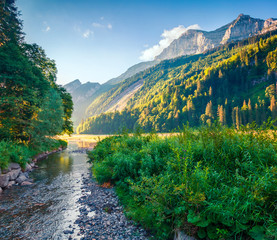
{"x": 243, "y": 27}
{"x": 72, "y": 86}
{"x": 197, "y": 41}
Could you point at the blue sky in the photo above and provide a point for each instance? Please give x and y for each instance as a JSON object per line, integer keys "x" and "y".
{"x": 96, "y": 40}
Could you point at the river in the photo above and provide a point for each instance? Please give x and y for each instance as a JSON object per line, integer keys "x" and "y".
{"x": 50, "y": 206}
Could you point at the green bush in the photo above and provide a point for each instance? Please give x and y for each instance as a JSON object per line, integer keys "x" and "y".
{"x": 214, "y": 183}
{"x": 21, "y": 153}
{"x": 14, "y": 152}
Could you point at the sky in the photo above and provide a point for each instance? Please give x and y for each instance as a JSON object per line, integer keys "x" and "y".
{"x": 96, "y": 40}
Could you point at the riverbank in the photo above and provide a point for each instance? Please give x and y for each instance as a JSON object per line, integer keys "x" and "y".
{"x": 14, "y": 174}
{"x": 215, "y": 183}
{"x": 101, "y": 216}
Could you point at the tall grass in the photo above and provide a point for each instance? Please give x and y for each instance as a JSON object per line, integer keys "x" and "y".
{"x": 214, "y": 183}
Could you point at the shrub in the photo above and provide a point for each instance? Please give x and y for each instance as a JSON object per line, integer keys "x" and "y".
{"x": 214, "y": 182}
{"x": 13, "y": 152}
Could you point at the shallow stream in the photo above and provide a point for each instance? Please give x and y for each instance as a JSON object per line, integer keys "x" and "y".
{"x": 49, "y": 207}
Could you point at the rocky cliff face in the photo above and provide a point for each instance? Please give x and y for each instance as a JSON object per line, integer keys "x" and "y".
{"x": 243, "y": 27}
{"x": 197, "y": 41}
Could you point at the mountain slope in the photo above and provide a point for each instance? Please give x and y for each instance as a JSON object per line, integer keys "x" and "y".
{"x": 191, "y": 42}
{"x": 131, "y": 72}
{"x": 197, "y": 41}
{"x": 82, "y": 95}
{"x": 233, "y": 83}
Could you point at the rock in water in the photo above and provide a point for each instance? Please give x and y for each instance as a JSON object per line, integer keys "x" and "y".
{"x": 25, "y": 183}
{"x": 21, "y": 178}
{"x": 4, "y": 180}
{"x": 11, "y": 183}
{"x": 1, "y": 190}
{"x": 28, "y": 168}
{"x": 14, "y": 174}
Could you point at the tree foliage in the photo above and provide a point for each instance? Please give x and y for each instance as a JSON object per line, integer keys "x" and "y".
{"x": 32, "y": 105}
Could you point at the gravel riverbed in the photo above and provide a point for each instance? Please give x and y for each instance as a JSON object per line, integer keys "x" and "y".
{"x": 101, "y": 216}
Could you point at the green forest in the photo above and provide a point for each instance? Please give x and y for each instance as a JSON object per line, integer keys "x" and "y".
{"x": 33, "y": 108}
{"x": 234, "y": 84}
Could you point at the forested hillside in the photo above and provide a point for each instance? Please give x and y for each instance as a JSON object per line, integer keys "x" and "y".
{"x": 32, "y": 106}
{"x": 234, "y": 84}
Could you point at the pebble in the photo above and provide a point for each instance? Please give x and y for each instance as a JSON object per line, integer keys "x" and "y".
{"x": 102, "y": 217}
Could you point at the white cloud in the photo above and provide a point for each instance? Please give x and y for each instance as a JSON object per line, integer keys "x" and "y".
{"x": 168, "y": 36}
{"x": 100, "y": 25}
{"x": 46, "y": 27}
{"x": 87, "y": 33}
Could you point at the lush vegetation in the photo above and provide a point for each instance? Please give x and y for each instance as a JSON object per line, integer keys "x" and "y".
{"x": 32, "y": 106}
{"x": 22, "y": 153}
{"x": 213, "y": 182}
{"x": 234, "y": 84}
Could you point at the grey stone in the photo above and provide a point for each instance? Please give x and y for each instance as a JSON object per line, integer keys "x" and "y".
{"x": 28, "y": 168}
{"x": 4, "y": 180}
{"x": 14, "y": 166}
{"x": 21, "y": 178}
{"x": 14, "y": 174}
{"x": 11, "y": 183}
{"x": 1, "y": 190}
{"x": 26, "y": 183}
{"x": 179, "y": 235}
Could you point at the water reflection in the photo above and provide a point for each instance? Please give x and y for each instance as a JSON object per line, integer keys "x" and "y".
{"x": 86, "y": 144}
{"x": 49, "y": 206}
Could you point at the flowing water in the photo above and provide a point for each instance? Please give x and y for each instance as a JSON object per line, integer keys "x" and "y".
{"x": 49, "y": 207}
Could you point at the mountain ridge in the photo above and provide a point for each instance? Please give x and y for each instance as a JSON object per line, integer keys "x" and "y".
{"x": 190, "y": 43}
{"x": 233, "y": 84}
{"x": 197, "y": 41}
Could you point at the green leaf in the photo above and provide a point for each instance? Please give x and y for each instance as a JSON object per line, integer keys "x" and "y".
{"x": 197, "y": 220}
{"x": 257, "y": 233}
{"x": 201, "y": 233}
{"x": 212, "y": 232}
{"x": 241, "y": 227}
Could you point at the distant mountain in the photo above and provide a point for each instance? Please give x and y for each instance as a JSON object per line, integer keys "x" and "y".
{"x": 197, "y": 41}
{"x": 70, "y": 87}
{"x": 115, "y": 94}
{"x": 132, "y": 71}
{"x": 233, "y": 84}
{"x": 82, "y": 96}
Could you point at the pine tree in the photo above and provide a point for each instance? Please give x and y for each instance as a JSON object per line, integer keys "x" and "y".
{"x": 220, "y": 114}
{"x": 257, "y": 114}
{"x": 209, "y": 109}
{"x": 273, "y": 108}
{"x": 244, "y": 111}
{"x": 210, "y": 91}
{"x": 238, "y": 117}
{"x": 10, "y": 24}
{"x": 250, "y": 114}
